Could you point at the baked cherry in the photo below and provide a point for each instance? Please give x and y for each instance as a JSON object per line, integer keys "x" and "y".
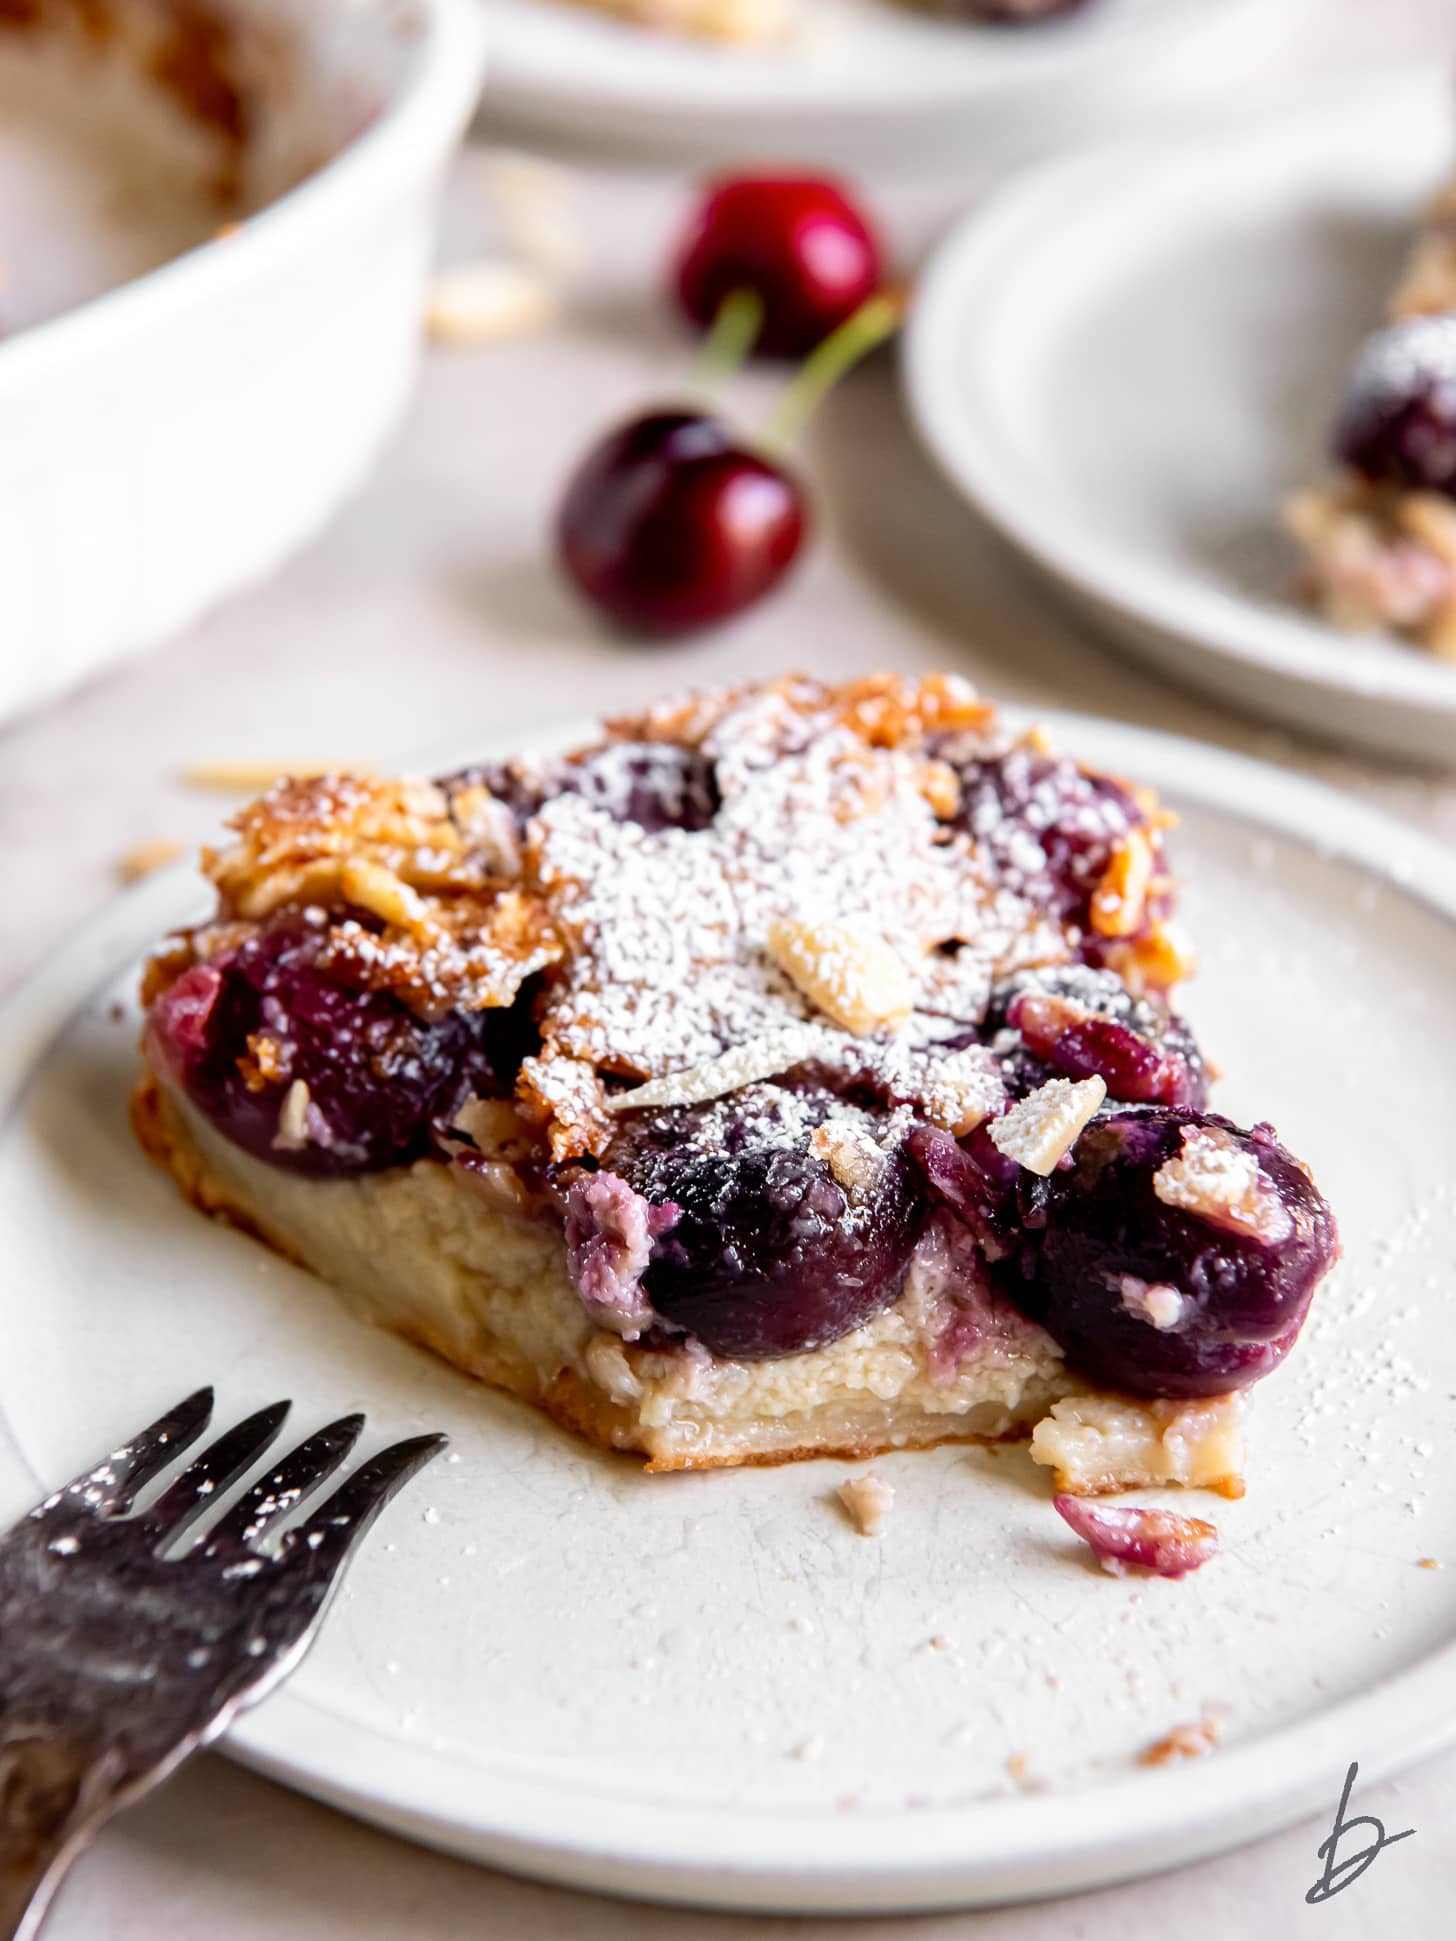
{"x": 797, "y": 242}
{"x": 670, "y": 524}
{"x": 655, "y": 784}
{"x": 1398, "y": 424}
{"x": 1011, "y": 13}
{"x": 1050, "y": 829}
{"x": 235, "y": 1034}
{"x": 1070, "y": 1021}
{"x": 1145, "y": 1288}
{"x": 768, "y": 1256}
{"x": 1152, "y": 1287}
{"x": 764, "y": 1252}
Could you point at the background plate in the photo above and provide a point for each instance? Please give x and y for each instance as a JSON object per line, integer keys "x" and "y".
{"x": 708, "y": 1687}
{"x": 869, "y": 79}
{"x": 1127, "y": 359}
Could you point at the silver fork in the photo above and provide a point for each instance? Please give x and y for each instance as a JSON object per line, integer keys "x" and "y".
{"x": 117, "y": 1659}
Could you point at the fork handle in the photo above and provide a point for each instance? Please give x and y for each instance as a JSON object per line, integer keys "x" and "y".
{"x": 50, "y": 1793}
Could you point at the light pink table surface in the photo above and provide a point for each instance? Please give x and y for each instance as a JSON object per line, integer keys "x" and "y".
{"x": 429, "y": 613}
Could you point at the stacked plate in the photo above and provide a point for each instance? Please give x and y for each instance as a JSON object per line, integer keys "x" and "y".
{"x": 870, "y": 80}
{"x": 1127, "y": 358}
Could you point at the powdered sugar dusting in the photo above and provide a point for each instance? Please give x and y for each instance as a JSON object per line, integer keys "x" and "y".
{"x": 1397, "y": 361}
{"x": 865, "y": 861}
{"x": 666, "y": 931}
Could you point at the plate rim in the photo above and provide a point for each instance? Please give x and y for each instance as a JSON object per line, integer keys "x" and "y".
{"x": 971, "y": 437}
{"x": 754, "y": 1860}
{"x": 525, "y": 84}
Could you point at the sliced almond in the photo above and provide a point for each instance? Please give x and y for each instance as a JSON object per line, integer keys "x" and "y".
{"x": 744, "y": 1065}
{"x": 962, "y": 1088}
{"x": 487, "y": 301}
{"x": 370, "y": 886}
{"x": 292, "y": 1133}
{"x": 846, "y": 971}
{"x": 488, "y": 826}
{"x": 1120, "y": 897}
{"x": 1221, "y": 1181}
{"x": 941, "y": 787}
{"x": 251, "y": 775}
{"x": 1183, "y": 1742}
{"x": 1041, "y": 1129}
{"x": 1156, "y": 962}
{"x": 1042, "y": 1017}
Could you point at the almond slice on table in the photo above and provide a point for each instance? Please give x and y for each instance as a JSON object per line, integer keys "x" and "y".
{"x": 487, "y": 301}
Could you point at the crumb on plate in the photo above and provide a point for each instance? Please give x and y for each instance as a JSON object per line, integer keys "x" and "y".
{"x": 1183, "y": 1742}
{"x": 867, "y": 1500}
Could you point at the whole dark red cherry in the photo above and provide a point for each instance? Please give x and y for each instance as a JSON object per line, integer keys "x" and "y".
{"x": 797, "y": 242}
{"x": 668, "y": 524}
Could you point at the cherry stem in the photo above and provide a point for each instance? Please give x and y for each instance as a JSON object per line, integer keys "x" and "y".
{"x": 876, "y": 319}
{"x": 727, "y": 345}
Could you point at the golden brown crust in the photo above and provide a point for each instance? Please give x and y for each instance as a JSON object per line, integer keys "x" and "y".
{"x": 857, "y": 1450}
{"x": 653, "y": 946}
{"x": 423, "y": 888}
{"x": 1068, "y": 1483}
{"x": 880, "y": 710}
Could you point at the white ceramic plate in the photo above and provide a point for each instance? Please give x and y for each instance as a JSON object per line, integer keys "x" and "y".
{"x": 868, "y": 77}
{"x": 708, "y": 1686}
{"x": 1126, "y": 359}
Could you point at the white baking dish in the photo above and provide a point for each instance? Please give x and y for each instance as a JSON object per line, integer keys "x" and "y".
{"x": 169, "y": 440}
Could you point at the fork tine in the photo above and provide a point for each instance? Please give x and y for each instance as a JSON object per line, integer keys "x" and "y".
{"x": 209, "y": 1474}
{"x": 278, "y": 1493}
{"x": 115, "y": 1483}
{"x": 338, "y": 1523}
